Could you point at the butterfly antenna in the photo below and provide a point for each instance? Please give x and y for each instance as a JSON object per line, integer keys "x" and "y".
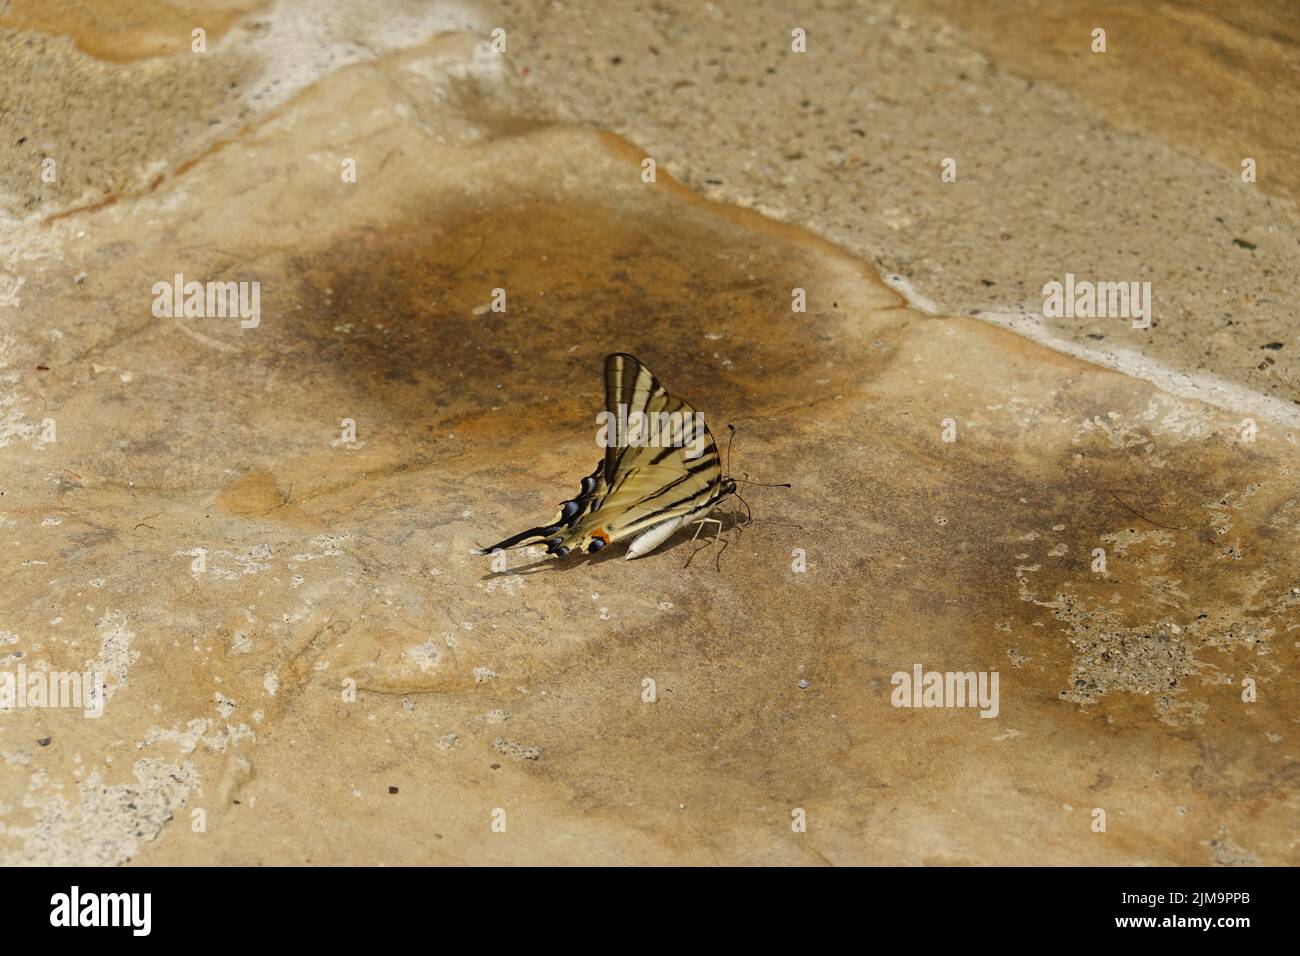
{"x": 785, "y": 524}
{"x": 746, "y": 480}
{"x": 762, "y": 484}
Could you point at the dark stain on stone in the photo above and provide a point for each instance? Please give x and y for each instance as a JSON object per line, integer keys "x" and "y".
{"x": 396, "y": 311}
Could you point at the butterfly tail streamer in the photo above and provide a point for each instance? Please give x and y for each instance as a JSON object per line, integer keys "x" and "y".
{"x": 522, "y": 539}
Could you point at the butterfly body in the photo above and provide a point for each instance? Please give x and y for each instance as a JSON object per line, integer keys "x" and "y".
{"x": 643, "y": 492}
{"x": 653, "y": 538}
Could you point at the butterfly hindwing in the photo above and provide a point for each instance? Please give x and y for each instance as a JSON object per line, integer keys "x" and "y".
{"x": 644, "y": 497}
{"x": 591, "y": 491}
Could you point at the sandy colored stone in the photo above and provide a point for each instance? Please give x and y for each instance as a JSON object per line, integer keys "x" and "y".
{"x": 329, "y": 566}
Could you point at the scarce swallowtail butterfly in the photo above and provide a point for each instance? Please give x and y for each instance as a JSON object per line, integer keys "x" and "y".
{"x": 661, "y": 470}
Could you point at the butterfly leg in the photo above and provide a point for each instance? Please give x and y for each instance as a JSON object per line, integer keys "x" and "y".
{"x": 699, "y": 526}
{"x": 717, "y": 557}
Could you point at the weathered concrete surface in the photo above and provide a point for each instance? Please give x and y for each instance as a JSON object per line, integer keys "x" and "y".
{"x": 328, "y": 562}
